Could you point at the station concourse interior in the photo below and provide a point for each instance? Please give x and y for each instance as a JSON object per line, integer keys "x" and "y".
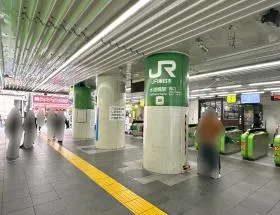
{"x": 103, "y": 103}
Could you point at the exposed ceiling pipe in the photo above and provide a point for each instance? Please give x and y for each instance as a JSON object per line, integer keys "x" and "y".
{"x": 58, "y": 42}
{"x": 18, "y": 35}
{"x": 125, "y": 53}
{"x": 27, "y": 15}
{"x": 132, "y": 10}
{"x": 38, "y": 38}
{"x": 152, "y": 49}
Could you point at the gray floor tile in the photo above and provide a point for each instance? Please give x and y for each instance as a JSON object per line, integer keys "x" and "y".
{"x": 85, "y": 208}
{"x": 15, "y": 205}
{"x": 27, "y": 211}
{"x": 44, "y": 197}
{"x": 51, "y": 208}
{"x": 240, "y": 210}
{"x": 14, "y": 195}
{"x": 258, "y": 206}
{"x": 43, "y": 188}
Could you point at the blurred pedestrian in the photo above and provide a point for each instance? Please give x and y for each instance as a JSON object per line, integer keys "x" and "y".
{"x": 51, "y": 121}
{"x": 60, "y": 126}
{"x": 208, "y": 132}
{"x": 40, "y": 119}
{"x": 13, "y": 131}
{"x": 29, "y": 127}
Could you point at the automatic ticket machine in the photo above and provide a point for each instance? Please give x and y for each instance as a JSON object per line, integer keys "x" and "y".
{"x": 254, "y": 144}
{"x": 229, "y": 142}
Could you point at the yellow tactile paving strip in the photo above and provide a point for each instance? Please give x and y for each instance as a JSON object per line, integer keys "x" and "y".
{"x": 126, "y": 197}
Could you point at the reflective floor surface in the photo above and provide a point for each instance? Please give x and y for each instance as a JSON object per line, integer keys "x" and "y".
{"x": 42, "y": 181}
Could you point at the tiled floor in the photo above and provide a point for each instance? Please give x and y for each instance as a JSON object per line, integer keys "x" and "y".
{"x": 41, "y": 181}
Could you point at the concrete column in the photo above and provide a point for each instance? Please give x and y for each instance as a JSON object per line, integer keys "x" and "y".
{"x": 111, "y": 111}
{"x": 165, "y": 114}
{"x": 83, "y": 112}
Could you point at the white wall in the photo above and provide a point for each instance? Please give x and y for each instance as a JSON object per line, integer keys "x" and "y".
{"x": 271, "y": 113}
{"x": 193, "y": 111}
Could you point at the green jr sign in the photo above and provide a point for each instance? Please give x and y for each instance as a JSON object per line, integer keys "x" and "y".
{"x": 165, "y": 79}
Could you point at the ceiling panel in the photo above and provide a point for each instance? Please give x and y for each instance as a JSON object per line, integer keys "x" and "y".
{"x": 40, "y": 38}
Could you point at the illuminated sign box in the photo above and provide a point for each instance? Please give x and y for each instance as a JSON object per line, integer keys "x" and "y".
{"x": 253, "y": 98}
{"x": 231, "y": 99}
{"x": 275, "y": 98}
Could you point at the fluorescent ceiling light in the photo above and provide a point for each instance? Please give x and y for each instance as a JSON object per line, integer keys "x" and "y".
{"x": 276, "y": 91}
{"x": 234, "y": 70}
{"x": 117, "y": 22}
{"x": 198, "y": 95}
{"x": 229, "y": 87}
{"x": 192, "y": 97}
{"x": 201, "y": 90}
{"x": 208, "y": 96}
{"x": 269, "y": 89}
{"x": 217, "y": 93}
{"x": 245, "y": 91}
{"x": 259, "y": 92}
{"x": 265, "y": 83}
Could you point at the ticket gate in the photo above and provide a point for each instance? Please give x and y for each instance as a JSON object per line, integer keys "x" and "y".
{"x": 276, "y": 147}
{"x": 254, "y": 144}
{"x": 229, "y": 142}
{"x": 191, "y": 134}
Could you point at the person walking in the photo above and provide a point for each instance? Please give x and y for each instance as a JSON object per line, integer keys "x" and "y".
{"x": 208, "y": 131}
{"x": 29, "y": 127}
{"x": 13, "y": 131}
{"x": 40, "y": 119}
{"x": 51, "y": 120}
{"x": 60, "y": 126}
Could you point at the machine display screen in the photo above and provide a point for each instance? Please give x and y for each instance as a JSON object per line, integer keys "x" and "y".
{"x": 250, "y": 98}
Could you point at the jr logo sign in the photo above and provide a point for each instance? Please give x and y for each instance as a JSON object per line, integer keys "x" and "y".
{"x": 168, "y": 65}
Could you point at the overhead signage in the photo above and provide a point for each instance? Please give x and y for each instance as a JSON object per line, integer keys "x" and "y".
{"x": 275, "y": 97}
{"x": 165, "y": 79}
{"x": 116, "y": 113}
{"x": 231, "y": 99}
{"x": 45, "y": 101}
{"x": 253, "y": 98}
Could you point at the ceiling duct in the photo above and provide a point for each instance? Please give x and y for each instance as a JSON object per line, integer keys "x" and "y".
{"x": 271, "y": 17}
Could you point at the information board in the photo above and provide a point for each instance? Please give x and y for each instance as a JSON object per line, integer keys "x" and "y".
{"x": 250, "y": 98}
{"x": 116, "y": 113}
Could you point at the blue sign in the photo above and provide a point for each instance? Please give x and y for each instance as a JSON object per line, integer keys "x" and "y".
{"x": 253, "y": 98}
